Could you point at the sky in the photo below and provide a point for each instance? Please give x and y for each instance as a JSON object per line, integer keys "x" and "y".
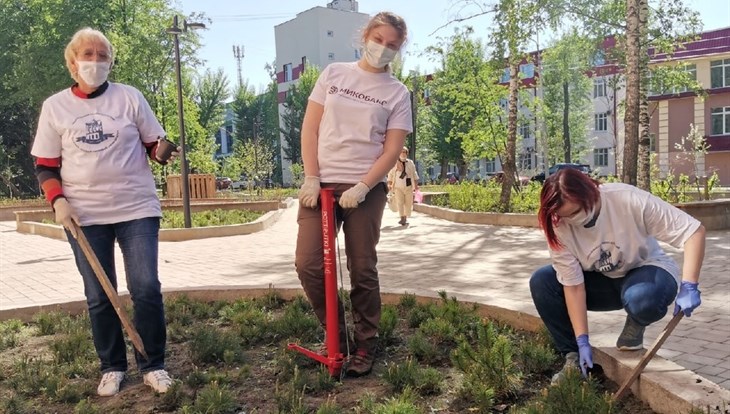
{"x": 250, "y": 24}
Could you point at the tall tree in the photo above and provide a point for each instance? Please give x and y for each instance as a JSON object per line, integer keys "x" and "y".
{"x": 294, "y": 106}
{"x": 211, "y": 95}
{"x": 633, "y": 73}
{"x": 567, "y": 106}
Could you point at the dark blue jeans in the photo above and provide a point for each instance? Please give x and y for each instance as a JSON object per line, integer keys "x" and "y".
{"x": 138, "y": 240}
{"x": 645, "y": 293}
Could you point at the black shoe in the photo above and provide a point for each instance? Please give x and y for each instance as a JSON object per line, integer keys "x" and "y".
{"x": 632, "y": 337}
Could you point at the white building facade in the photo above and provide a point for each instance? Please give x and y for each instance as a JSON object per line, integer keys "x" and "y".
{"x": 318, "y": 36}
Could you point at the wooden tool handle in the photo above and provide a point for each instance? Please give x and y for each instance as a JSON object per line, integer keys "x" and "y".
{"x": 648, "y": 356}
{"x": 111, "y": 293}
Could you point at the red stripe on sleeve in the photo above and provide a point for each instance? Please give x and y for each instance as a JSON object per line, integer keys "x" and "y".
{"x": 52, "y": 189}
{"x": 48, "y": 162}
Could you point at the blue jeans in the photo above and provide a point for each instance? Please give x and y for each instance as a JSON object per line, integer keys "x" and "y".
{"x": 138, "y": 240}
{"x": 645, "y": 293}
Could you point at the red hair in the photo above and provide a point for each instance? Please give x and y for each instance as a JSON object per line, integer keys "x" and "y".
{"x": 568, "y": 185}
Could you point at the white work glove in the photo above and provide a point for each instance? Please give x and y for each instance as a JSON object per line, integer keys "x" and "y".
{"x": 354, "y": 196}
{"x": 309, "y": 192}
{"x": 65, "y": 215}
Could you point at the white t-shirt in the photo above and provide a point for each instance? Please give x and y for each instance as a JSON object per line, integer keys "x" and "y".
{"x": 104, "y": 170}
{"x": 359, "y": 107}
{"x": 624, "y": 236}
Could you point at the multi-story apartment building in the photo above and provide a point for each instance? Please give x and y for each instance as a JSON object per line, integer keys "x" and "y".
{"x": 672, "y": 112}
{"x": 707, "y": 60}
{"x": 318, "y": 36}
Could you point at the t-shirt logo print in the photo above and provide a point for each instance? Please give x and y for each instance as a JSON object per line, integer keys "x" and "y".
{"x": 333, "y": 90}
{"x": 608, "y": 260}
{"x": 95, "y": 139}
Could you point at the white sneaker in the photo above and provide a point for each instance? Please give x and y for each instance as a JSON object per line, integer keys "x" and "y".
{"x": 159, "y": 380}
{"x": 110, "y": 383}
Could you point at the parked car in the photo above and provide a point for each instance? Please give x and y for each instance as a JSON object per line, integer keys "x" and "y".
{"x": 585, "y": 168}
{"x": 452, "y": 178}
{"x": 222, "y": 183}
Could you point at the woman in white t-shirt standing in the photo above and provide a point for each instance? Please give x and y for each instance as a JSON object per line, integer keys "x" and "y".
{"x": 603, "y": 241}
{"x": 91, "y": 151}
{"x": 403, "y": 181}
{"x": 354, "y": 127}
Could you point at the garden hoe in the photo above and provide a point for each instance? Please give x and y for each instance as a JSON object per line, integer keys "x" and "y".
{"x": 647, "y": 356}
{"x": 334, "y": 359}
{"x": 109, "y": 290}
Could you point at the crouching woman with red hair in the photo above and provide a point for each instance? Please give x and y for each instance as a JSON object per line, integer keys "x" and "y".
{"x": 603, "y": 242}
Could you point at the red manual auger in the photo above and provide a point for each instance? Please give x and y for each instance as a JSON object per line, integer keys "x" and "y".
{"x": 334, "y": 358}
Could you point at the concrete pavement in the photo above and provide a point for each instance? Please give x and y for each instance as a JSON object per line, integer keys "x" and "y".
{"x": 485, "y": 264}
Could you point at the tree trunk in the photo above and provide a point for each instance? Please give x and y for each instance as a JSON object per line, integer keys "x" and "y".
{"x": 631, "y": 119}
{"x": 509, "y": 167}
{"x": 643, "y": 178}
{"x": 566, "y": 122}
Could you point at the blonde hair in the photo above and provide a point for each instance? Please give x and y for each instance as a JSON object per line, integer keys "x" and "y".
{"x": 388, "y": 18}
{"x": 84, "y": 35}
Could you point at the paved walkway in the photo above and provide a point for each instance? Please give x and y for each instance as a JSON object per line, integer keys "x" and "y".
{"x": 480, "y": 263}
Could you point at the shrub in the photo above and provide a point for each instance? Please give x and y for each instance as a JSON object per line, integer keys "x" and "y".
{"x": 424, "y": 381}
{"x": 86, "y": 407}
{"x": 572, "y": 395}
{"x": 489, "y": 364}
{"x": 218, "y": 217}
{"x": 173, "y": 399}
{"x": 214, "y": 399}
{"x": 209, "y": 344}
{"x": 388, "y": 323}
{"x": 49, "y": 323}
{"x": 71, "y": 347}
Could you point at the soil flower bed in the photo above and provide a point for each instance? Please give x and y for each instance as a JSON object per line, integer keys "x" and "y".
{"x": 231, "y": 357}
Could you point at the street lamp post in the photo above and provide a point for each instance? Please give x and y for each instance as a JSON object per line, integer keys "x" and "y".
{"x": 175, "y": 31}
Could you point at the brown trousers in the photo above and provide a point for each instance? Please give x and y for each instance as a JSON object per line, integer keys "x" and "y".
{"x": 361, "y": 227}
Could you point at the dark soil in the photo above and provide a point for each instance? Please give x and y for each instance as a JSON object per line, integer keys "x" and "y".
{"x": 257, "y": 384}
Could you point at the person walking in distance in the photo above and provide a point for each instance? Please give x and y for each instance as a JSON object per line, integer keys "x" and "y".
{"x": 355, "y": 124}
{"x": 603, "y": 241}
{"x": 402, "y": 182}
{"x": 91, "y": 164}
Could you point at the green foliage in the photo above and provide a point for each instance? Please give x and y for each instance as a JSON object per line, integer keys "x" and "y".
{"x": 424, "y": 381}
{"x": 9, "y": 331}
{"x": 14, "y": 405}
{"x": 174, "y": 398}
{"x": 405, "y": 403}
{"x": 295, "y": 106}
{"x": 468, "y": 196}
{"x": 207, "y": 218}
{"x": 296, "y": 323}
{"x": 71, "y": 347}
{"x": 209, "y": 344}
{"x": 290, "y": 395}
{"x": 388, "y": 323}
{"x": 329, "y": 407}
{"x": 489, "y": 364}
{"x": 49, "y": 323}
{"x": 407, "y": 301}
{"x": 214, "y": 399}
{"x": 572, "y": 395}
{"x": 86, "y": 407}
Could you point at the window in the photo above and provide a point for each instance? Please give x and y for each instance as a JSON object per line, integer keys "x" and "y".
{"x": 525, "y": 162}
{"x": 525, "y": 130}
{"x": 527, "y": 70}
{"x": 288, "y": 77}
{"x": 331, "y": 56}
{"x": 601, "y": 121}
{"x": 720, "y": 120}
{"x": 599, "y": 87}
{"x": 304, "y": 63}
{"x": 503, "y": 103}
{"x": 330, "y": 33}
{"x": 600, "y": 157}
{"x": 490, "y": 165}
{"x": 599, "y": 58}
{"x": 692, "y": 74}
{"x": 720, "y": 73}
{"x": 505, "y": 76}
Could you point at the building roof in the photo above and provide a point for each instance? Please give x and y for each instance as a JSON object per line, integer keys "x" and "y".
{"x": 712, "y": 42}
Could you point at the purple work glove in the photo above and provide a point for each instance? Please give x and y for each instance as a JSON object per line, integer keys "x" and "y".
{"x": 688, "y": 298}
{"x": 585, "y": 353}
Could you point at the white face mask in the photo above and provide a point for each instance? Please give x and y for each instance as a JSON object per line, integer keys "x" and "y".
{"x": 377, "y": 55}
{"x": 582, "y": 217}
{"x": 93, "y": 73}
{"x": 402, "y": 158}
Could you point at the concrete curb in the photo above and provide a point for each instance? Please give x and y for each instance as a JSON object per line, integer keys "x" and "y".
{"x": 667, "y": 387}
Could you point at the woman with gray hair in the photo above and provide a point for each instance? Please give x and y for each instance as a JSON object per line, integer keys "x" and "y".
{"x": 91, "y": 150}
